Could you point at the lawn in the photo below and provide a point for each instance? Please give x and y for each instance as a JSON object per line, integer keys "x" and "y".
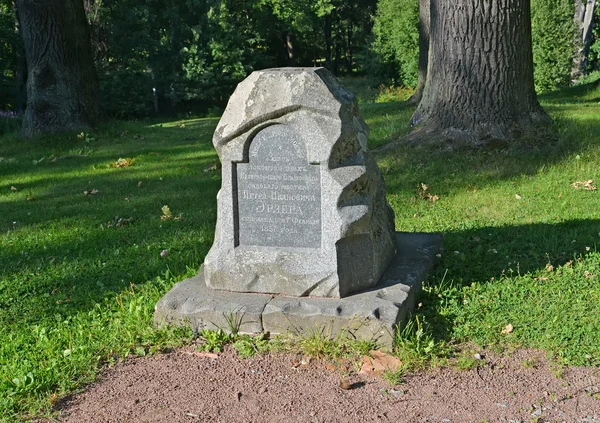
{"x": 87, "y": 246}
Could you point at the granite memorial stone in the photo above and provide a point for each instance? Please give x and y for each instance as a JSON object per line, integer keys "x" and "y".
{"x": 302, "y": 208}
{"x": 304, "y": 237}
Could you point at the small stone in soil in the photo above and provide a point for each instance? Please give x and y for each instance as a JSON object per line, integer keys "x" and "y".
{"x": 345, "y": 384}
{"x": 397, "y": 393}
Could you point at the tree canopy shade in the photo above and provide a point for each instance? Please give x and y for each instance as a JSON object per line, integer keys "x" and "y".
{"x": 62, "y": 87}
{"x": 479, "y": 86}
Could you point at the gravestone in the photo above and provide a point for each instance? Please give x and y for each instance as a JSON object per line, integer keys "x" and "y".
{"x": 304, "y": 237}
{"x": 302, "y": 208}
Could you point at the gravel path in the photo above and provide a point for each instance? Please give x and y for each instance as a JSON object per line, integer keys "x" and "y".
{"x": 187, "y": 387}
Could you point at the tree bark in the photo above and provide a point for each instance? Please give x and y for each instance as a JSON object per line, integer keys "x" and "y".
{"x": 62, "y": 86}
{"x": 584, "y": 22}
{"x": 349, "y": 49}
{"x": 289, "y": 48}
{"x": 424, "y": 29}
{"x": 479, "y": 88}
{"x": 328, "y": 40}
{"x": 20, "y": 69}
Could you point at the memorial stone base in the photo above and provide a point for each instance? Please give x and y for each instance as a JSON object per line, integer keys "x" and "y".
{"x": 372, "y": 314}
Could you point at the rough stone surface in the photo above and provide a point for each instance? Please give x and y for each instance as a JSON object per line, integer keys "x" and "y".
{"x": 302, "y": 208}
{"x": 371, "y": 314}
{"x": 191, "y": 302}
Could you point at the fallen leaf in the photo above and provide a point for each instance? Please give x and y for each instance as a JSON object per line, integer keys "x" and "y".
{"x": 508, "y": 329}
{"x": 122, "y": 163}
{"x": 586, "y": 185}
{"x": 164, "y": 253}
{"x": 423, "y": 191}
{"x": 517, "y": 196}
{"x": 205, "y": 354}
{"x": 330, "y": 367}
{"x": 379, "y": 362}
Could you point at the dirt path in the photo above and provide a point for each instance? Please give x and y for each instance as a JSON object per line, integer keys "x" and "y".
{"x": 184, "y": 387}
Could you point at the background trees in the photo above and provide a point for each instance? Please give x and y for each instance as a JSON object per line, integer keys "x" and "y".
{"x": 556, "y": 39}
{"x": 166, "y": 56}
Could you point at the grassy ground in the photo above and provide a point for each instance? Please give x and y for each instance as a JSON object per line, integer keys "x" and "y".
{"x": 79, "y": 274}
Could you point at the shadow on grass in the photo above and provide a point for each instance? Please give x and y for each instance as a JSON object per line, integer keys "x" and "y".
{"x": 407, "y": 166}
{"x": 486, "y": 255}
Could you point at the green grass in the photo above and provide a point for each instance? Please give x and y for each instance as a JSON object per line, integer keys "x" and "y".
{"x": 80, "y": 274}
{"x": 506, "y": 215}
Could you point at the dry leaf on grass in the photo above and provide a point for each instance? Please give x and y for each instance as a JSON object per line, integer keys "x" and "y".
{"x": 423, "y": 191}
{"x": 586, "y": 185}
{"x": 379, "y": 362}
{"x": 121, "y": 163}
{"x": 508, "y": 329}
{"x": 518, "y": 197}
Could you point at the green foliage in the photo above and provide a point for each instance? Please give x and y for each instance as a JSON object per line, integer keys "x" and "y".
{"x": 9, "y": 123}
{"x": 246, "y": 346}
{"x": 594, "y": 57}
{"x": 396, "y": 31}
{"x": 215, "y": 340}
{"x": 553, "y": 35}
{"x": 126, "y": 93}
{"x": 8, "y": 43}
{"x": 415, "y": 345}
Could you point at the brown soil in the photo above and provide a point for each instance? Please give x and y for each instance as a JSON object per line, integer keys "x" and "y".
{"x": 183, "y": 386}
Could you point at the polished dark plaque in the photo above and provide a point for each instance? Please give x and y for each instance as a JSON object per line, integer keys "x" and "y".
{"x": 278, "y": 192}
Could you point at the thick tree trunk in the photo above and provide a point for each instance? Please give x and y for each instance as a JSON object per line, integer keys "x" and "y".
{"x": 584, "y": 22}
{"x": 479, "y": 85}
{"x": 424, "y": 29}
{"x": 62, "y": 87}
{"x": 20, "y": 70}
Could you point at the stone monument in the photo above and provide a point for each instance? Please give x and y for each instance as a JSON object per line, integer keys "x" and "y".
{"x": 304, "y": 234}
{"x": 302, "y": 209}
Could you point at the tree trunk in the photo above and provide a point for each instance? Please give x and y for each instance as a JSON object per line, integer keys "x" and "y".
{"x": 328, "y": 40}
{"x": 349, "y": 49}
{"x": 424, "y": 26}
{"x": 584, "y": 22}
{"x": 479, "y": 87}
{"x": 20, "y": 70}
{"x": 62, "y": 86}
{"x": 289, "y": 48}
{"x": 337, "y": 57}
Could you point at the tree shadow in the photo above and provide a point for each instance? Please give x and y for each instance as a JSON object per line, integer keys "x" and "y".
{"x": 486, "y": 255}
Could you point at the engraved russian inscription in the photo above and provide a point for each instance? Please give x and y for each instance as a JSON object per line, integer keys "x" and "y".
{"x": 278, "y": 192}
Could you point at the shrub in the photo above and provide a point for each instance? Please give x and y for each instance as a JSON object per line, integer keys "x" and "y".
{"x": 126, "y": 94}
{"x": 553, "y": 34}
{"x": 396, "y": 31}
